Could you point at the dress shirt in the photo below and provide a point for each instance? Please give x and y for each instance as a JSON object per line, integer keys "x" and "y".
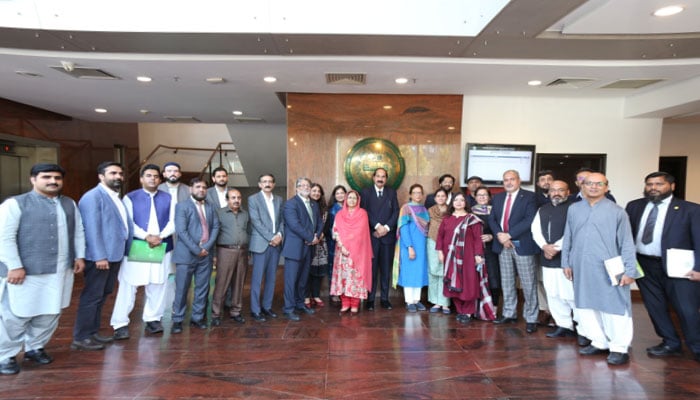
{"x": 234, "y": 228}
{"x": 221, "y": 194}
{"x": 269, "y": 202}
{"x": 118, "y": 203}
{"x": 653, "y": 248}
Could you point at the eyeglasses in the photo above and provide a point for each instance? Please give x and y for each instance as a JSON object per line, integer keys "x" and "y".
{"x": 592, "y": 184}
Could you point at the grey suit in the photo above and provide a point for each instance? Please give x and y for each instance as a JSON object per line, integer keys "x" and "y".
{"x": 213, "y": 198}
{"x": 183, "y": 191}
{"x": 265, "y": 257}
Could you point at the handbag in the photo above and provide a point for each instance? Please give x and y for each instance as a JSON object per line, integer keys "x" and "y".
{"x": 141, "y": 251}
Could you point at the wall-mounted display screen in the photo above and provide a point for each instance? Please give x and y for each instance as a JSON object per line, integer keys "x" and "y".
{"x": 489, "y": 161}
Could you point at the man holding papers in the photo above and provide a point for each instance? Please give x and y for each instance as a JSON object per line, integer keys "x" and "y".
{"x": 667, "y": 237}
{"x": 598, "y": 230}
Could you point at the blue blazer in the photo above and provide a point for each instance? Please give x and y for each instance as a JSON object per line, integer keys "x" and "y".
{"x": 681, "y": 226}
{"x": 189, "y": 231}
{"x": 261, "y": 224}
{"x": 300, "y": 228}
{"x": 522, "y": 212}
{"x": 106, "y": 237}
{"x": 384, "y": 211}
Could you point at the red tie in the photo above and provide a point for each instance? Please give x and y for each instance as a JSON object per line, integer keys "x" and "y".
{"x": 506, "y": 214}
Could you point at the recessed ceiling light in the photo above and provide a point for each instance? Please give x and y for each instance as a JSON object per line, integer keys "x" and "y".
{"x": 387, "y": 107}
{"x": 101, "y": 110}
{"x": 144, "y": 112}
{"x": 534, "y": 83}
{"x": 270, "y": 79}
{"x": 215, "y": 79}
{"x": 236, "y": 112}
{"x": 667, "y": 11}
{"x": 401, "y": 81}
{"x": 143, "y": 78}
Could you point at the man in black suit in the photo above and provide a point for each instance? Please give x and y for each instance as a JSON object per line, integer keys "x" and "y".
{"x": 382, "y": 207}
{"x": 510, "y": 221}
{"x": 661, "y": 222}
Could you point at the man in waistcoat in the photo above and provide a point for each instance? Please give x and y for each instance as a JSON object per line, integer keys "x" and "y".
{"x": 36, "y": 281}
{"x": 153, "y": 223}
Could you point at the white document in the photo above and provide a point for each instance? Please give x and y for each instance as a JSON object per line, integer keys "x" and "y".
{"x": 679, "y": 262}
{"x": 615, "y": 268}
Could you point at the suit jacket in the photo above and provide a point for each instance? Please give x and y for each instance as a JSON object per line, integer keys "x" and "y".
{"x": 681, "y": 227}
{"x": 300, "y": 228}
{"x": 106, "y": 237}
{"x": 213, "y": 198}
{"x": 183, "y": 191}
{"x": 189, "y": 231}
{"x": 260, "y": 222}
{"x": 384, "y": 211}
{"x": 522, "y": 212}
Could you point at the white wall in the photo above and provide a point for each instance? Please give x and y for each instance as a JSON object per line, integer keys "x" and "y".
{"x": 684, "y": 140}
{"x": 562, "y": 125}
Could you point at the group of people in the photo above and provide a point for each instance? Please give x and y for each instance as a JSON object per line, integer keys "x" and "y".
{"x": 574, "y": 255}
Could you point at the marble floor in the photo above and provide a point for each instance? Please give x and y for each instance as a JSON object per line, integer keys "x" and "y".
{"x": 383, "y": 354}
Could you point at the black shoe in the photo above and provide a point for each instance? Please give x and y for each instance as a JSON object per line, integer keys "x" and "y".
{"x": 505, "y": 320}
{"x": 369, "y": 306}
{"x": 464, "y": 318}
{"x": 87, "y": 344}
{"x": 583, "y": 341}
{"x": 387, "y": 306}
{"x": 153, "y": 327}
{"x": 9, "y": 366}
{"x": 201, "y": 324}
{"x": 238, "y": 318}
{"x": 561, "y": 332}
{"x": 292, "y": 317}
{"x": 663, "y": 350}
{"x": 38, "y": 356}
{"x": 531, "y": 327}
{"x": 121, "y": 333}
{"x": 102, "y": 339}
{"x": 258, "y": 317}
{"x": 216, "y": 321}
{"x": 591, "y": 350}
{"x": 269, "y": 313}
{"x": 177, "y": 327}
{"x": 615, "y": 358}
{"x": 306, "y": 310}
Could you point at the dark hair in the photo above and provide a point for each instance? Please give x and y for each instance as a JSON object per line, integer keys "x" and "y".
{"x": 150, "y": 166}
{"x": 264, "y": 175}
{"x": 106, "y": 164}
{"x": 442, "y": 178}
{"x": 385, "y": 172}
{"x": 667, "y": 177}
{"x": 335, "y": 189}
{"x": 196, "y": 180}
{"x": 480, "y": 188}
{"x": 229, "y": 190}
{"x": 415, "y": 185}
{"x": 171, "y": 164}
{"x": 43, "y": 167}
{"x": 545, "y": 172}
{"x": 467, "y": 207}
{"x": 217, "y": 169}
{"x": 322, "y": 201}
{"x": 447, "y": 194}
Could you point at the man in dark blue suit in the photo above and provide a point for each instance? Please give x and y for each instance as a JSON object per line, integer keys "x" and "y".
{"x": 510, "y": 220}
{"x": 197, "y": 227}
{"x": 382, "y": 207}
{"x": 303, "y": 223}
{"x": 661, "y": 222}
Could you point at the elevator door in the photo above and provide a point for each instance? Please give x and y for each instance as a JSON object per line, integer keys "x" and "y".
{"x": 11, "y": 180}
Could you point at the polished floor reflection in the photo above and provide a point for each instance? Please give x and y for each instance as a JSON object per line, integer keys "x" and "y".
{"x": 376, "y": 355}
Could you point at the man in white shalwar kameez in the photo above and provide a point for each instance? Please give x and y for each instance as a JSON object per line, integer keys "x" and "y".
{"x": 151, "y": 211}
{"x": 36, "y": 281}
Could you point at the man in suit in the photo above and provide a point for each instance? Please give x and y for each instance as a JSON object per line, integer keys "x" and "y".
{"x": 108, "y": 233}
{"x": 661, "y": 222}
{"x": 216, "y": 195}
{"x": 446, "y": 182}
{"x": 267, "y": 222}
{"x": 510, "y": 220}
{"x": 304, "y": 227}
{"x": 197, "y": 227}
{"x": 382, "y": 208}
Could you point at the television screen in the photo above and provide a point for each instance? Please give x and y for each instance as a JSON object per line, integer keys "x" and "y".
{"x": 490, "y": 161}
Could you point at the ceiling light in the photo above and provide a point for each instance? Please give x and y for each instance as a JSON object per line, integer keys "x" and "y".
{"x": 270, "y": 79}
{"x": 451, "y": 128}
{"x": 387, "y": 107}
{"x": 215, "y": 79}
{"x": 143, "y": 78}
{"x": 534, "y": 83}
{"x": 144, "y": 112}
{"x": 101, "y": 110}
{"x": 401, "y": 81}
{"x": 667, "y": 11}
{"x": 236, "y": 112}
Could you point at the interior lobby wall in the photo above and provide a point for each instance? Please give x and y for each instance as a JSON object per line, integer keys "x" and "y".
{"x": 680, "y": 139}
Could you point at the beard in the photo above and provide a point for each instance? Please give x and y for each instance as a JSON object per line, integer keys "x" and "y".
{"x": 173, "y": 179}
{"x": 557, "y": 200}
{"x": 657, "y": 198}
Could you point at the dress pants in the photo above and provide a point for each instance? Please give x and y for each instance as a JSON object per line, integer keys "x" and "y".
{"x": 296, "y": 277}
{"x": 231, "y": 268}
{"x": 658, "y": 290}
{"x": 32, "y": 332}
{"x": 510, "y": 261}
{"x": 381, "y": 268}
{"x": 264, "y": 265}
{"x": 201, "y": 270}
{"x": 153, "y": 307}
{"x": 99, "y": 283}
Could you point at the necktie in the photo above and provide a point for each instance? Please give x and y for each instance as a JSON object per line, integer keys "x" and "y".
{"x": 506, "y": 214}
{"x": 648, "y": 234}
{"x": 203, "y": 221}
{"x": 379, "y": 194}
{"x": 307, "y": 203}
